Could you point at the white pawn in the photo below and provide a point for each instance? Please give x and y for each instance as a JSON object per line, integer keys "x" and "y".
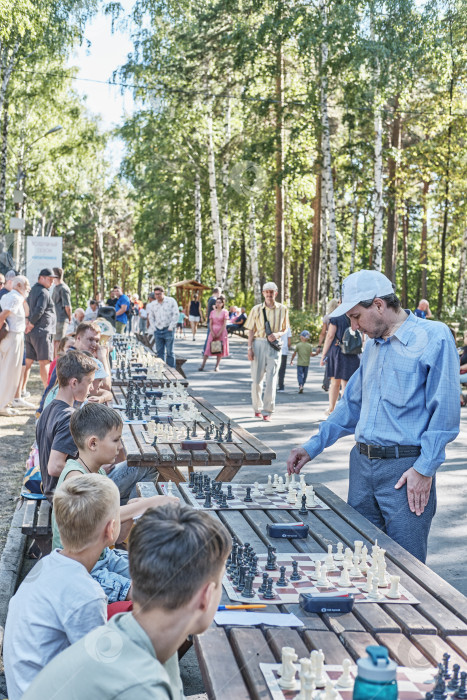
{"x": 329, "y": 692}
{"x": 320, "y": 678}
{"x": 345, "y": 681}
{"x": 256, "y": 491}
{"x": 314, "y": 661}
{"x": 357, "y": 547}
{"x": 355, "y": 571}
{"x": 275, "y": 482}
{"x": 302, "y": 481}
{"x": 280, "y": 488}
{"x": 287, "y": 480}
{"x": 288, "y": 670}
{"x": 348, "y": 555}
{"x": 323, "y": 581}
{"x": 310, "y": 497}
{"x": 364, "y": 560}
{"x": 268, "y": 488}
{"x": 292, "y": 479}
{"x": 292, "y": 495}
{"x": 329, "y": 561}
{"x": 307, "y": 686}
{"x": 305, "y": 666}
{"x": 170, "y": 487}
{"x": 317, "y": 572}
{"x": 394, "y": 590}
{"x": 344, "y": 578}
{"x": 339, "y": 556}
{"x": 374, "y": 593}
{"x": 369, "y": 581}
{"x": 383, "y": 583}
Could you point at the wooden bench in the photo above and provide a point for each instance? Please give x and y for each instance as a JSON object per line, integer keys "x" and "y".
{"x": 415, "y": 635}
{"x": 239, "y": 331}
{"x": 37, "y": 524}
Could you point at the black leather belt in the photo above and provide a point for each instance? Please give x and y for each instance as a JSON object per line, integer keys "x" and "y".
{"x": 389, "y": 451}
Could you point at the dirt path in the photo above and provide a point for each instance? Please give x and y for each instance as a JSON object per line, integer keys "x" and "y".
{"x": 16, "y": 437}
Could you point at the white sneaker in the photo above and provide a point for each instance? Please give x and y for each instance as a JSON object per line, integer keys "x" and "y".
{"x": 23, "y": 403}
{"x": 25, "y": 394}
{"x": 8, "y": 412}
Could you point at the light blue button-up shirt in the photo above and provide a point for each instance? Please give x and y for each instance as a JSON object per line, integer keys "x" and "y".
{"x": 405, "y": 392}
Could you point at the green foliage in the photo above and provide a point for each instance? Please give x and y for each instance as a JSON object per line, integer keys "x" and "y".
{"x": 306, "y": 320}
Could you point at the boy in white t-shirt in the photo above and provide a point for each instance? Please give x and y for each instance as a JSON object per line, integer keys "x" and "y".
{"x": 58, "y": 603}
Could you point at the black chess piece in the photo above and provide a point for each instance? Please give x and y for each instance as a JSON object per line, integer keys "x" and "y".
{"x": 206, "y": 433}
{"x": 217, "y": 437}
{"x": 154, "y": 441}
{"x": 228, "y": 436}
{"x": 230, "y": 495}
{"x": 271, "y": 561}
{"x": 269, "y": 593}
{"x": 446, "y": 674}
{"x": 454, "y": 682}
{"x": 264, "y": 583}
{"x": 461, "y": 692}
{"x": 429, "y": 696}
{"x": 281, "y": 581}
{"x": 303, "y": 510}
{"x": 187, "y": 432}
{"x": 248, "y": 498}
{"x": 241, "y": 578}
{"x": 439, "y": 691}
{"x": 191, "y": 482}
{"x": 140, "y": 413}
{"x": 223, "y": 503}
{"x": 207, "y": 503}
{"x": 248, "y": 591}
{"x": 194, "y": 433}
{"x": 199, "y": 494}
{"x": 295, "y": 575}
{"x": 254, "y": 564}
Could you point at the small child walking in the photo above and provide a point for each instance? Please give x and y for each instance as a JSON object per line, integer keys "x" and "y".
{"x": 303, "y": 352}
{"x": 181, "y": 323}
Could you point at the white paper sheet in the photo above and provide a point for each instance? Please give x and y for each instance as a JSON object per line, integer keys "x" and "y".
{"x": 244, "y": 617}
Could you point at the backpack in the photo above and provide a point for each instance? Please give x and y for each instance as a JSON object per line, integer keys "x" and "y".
{"x": 351, "y": 343}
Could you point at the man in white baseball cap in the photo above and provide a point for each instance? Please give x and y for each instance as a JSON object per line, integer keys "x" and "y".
{"x": 266, "y": 324}
{"x": 402, "y": 404}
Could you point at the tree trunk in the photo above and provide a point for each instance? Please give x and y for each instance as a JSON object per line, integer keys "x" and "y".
{"x": 225, "y": 192}
{"x": 392, "y": 225}
{"x": 461, "y": 296}
{"x": 424, "y": 242}
{"x": 216, "y": 231}
{"x": 198, "y": 237}
{"x": 279, "y": 189}
{"x": 254, "y": 254}
{"x": 287, "y": 257}
{"x": 353, "y": 241}
{"x": 377, "y": 247}
{"x": 243, "y": 261}
{"x": 405, "y": 238}
{"x": 3, "y": 165}
{"x": 94, "y": 265}
{"x": 7, "y": 63}
{"x": 323, "y": 282}
{"x": 446, "y": 209}
{"x": 329, "y": 234}
{"x": 313, "y": 288}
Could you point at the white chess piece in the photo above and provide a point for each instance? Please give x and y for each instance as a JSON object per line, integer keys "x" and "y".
{"x": 292, "y": 495}
{"x": 329, "y": 692}
{"x": 329, "y": 561}
{"x": 383, "y": 583}
{"x": 287, "y": 480}
{"x": 344, "y": 578}
{"x": 357, "y": 547}
{"x": 320, "y": 678}
{"x": 280, "y": 488}
{"x": 170, "y": 487}
{"x": 394, "y": 590}
{"x": 317, "y": 572}
{"x": 355, "y": 570}
{"x": 268, "y": 488}
{"x": 305, "y": 665}
{"x": 348, "y": 555}
{"x": 292, "y": 479}
{"x": 307, "y": 686}
{"x": 364, "y": 560}
{"x": 323, "y": 581}
{"x": 310, "y": 497}
{"x": 314, "y": 661}
{"x": 374, "y": 593}
{"x": 345, "y": 681}
{"x": 339, "y": 556}
{"x": 275, "y": 482}
{"x": 256, "y": 491}
{"x": 302, "y": 481}
{"x": 288, "y": 670}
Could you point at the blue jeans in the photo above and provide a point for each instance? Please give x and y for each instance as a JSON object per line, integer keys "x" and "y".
{"x": 207, "y": 336}
{"x": 164, "y": 345}
{"x": 302, "y": 374}
{"x": 372, "y": 493}
{"x": 126, "y": 478}
{"x": 113, "y": 574}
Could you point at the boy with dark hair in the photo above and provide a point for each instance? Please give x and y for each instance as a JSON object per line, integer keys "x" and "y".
{"x": 96, "y": 431}
{"x": 75, "y": 372}
{"x": 58, "y": 603}
{"x": 177, "y": 560}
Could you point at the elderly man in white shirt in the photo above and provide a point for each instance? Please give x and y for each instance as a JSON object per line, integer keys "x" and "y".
{"x": 163, "y": 317}
{"x": 11, "y": 347}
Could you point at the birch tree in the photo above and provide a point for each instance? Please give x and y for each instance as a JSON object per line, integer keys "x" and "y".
{"x": 254, "y": 253}
{"x": 198, "y": 231}
{"x": 215, "y": 224}
{"x": 377, "y": 253}
{"x": 225, "y": 189}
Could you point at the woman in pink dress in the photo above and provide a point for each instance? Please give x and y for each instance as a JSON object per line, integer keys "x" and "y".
{"x": 218, "y": 331}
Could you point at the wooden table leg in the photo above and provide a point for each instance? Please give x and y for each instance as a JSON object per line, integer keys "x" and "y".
{"x": 228, "y": 472}
{"x": 170, "y": 474}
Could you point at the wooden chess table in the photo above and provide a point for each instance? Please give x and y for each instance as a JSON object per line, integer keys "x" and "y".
{"x": 415, "y": 635}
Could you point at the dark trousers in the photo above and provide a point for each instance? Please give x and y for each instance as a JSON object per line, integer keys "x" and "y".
{"x": 302, "y": 374}
{"x": 164, "y": 345}
{"x": 282, "y": 369}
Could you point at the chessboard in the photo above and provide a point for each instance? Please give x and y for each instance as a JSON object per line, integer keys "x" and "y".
{"x": 236, "y": 494}
{"x": 288, "y": 591}
{"x": 412, "y": 683}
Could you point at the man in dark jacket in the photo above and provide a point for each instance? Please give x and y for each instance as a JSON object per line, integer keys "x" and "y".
{"x": 40, "y": 328}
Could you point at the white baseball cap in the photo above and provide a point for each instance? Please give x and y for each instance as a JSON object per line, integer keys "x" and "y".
{"x": 362, "y": 286}
{"x": 269, "y": 285}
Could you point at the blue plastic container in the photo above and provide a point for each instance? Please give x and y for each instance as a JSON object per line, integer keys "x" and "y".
{"x": 376, "y": 678}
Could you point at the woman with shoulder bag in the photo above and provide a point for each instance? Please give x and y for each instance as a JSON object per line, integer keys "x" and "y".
{"x": 217, "y": 344}
{"x": 339, "y": 365}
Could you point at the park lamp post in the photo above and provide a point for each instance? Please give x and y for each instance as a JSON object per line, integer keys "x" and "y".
{"x": 18, "y": 222}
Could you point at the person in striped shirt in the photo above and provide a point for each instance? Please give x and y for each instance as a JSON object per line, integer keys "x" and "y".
{"x": 264, "y": 357}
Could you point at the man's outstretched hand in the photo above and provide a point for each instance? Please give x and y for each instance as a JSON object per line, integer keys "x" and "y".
{"x": 418, "y": 489}
{"x": 297, "y": 458}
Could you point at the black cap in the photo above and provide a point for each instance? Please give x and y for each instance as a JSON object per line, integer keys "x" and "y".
{"x": 47, "y": 272}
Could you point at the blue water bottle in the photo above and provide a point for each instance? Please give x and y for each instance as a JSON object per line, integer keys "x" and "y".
{"x": 376, "y": 678}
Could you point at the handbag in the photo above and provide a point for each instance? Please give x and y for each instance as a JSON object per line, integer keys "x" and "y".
{"x": 276, "y": 344}
{"x": 216, "y": 347}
